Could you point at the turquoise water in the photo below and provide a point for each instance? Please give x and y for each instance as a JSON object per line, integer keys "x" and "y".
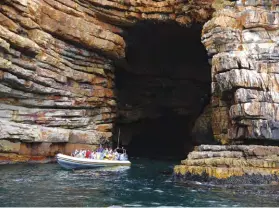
{"x": 146, "y": 183}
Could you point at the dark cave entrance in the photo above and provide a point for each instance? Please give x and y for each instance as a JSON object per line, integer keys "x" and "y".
{"x": 163, "y": 90}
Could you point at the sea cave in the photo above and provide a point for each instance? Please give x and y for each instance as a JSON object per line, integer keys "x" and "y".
{"x": 161, "y": 89}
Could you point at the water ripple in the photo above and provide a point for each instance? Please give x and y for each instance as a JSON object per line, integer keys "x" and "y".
{"x": 141, "y": 185}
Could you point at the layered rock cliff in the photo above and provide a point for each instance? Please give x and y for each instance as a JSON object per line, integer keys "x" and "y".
{"x": 242, "y": 39}
{"x": 56, "y": 69}
{"x": 56, "y": 91}
{"x": 243, "y": 42}
{"x": 72, "y": 69}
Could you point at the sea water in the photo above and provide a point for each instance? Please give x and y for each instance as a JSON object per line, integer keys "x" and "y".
{"x": 146, "y": 183}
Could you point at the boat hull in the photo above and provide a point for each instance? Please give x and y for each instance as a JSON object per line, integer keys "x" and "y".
{"x": 69, "y": 162}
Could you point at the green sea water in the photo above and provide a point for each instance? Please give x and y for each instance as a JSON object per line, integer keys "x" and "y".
{"x": 146, "y": 183}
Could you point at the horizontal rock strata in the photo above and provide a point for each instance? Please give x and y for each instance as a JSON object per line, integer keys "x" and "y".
{"x": 56, "y": 80}
{"x": 56, "y": 67}
{"x": 242, "y": 39}
{"x": 226, "y": 161}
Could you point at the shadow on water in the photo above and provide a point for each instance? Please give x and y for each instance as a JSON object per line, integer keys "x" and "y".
{"x": 146, "y": 183}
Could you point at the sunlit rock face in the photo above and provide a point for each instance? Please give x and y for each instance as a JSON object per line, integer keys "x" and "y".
{"x": 242, "y": 40}
{"x": 242, "y": 43}
{"x": 56, "y": 76}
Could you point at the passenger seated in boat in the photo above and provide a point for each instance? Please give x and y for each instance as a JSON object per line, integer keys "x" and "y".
{"x": 99, "y": 155}
{"x": 115, "y": 155}
{"x": 111, "y": 157}
{"x": 74, "y": 153}
{"x": 93, "y": 155}
{"x": 105, "y": 152}
{"x": 122, "y": 157}
{"x": 87, "y": 154}
{"x": 80, "y": 154}
{"x": 100, "y": 149}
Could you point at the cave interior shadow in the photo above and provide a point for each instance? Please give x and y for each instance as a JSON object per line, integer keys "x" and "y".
{"x": 163, "y": 90}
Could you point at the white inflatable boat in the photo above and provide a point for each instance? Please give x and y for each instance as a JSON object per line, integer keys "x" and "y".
{"x": 70, "y": 162}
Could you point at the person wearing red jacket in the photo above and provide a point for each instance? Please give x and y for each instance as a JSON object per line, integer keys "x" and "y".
{"x": 87, "y": 154}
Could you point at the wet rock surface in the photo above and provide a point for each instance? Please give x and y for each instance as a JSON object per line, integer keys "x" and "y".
{"x": 233, "y": 162}
{"x": 254, "y": 179}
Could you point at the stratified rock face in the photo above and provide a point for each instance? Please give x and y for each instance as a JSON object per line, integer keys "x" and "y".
{"x": 242, "y": 40}
{"x": 57, "y": 76}
{"x": 246, "y": 163}
{"x": 56, "y": 69}
{"x": 55, "y": 89}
